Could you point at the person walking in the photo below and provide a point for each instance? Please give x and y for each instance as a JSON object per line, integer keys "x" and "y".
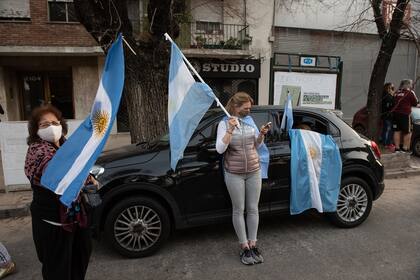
{"x": 238, "y": 139}
{"x": 62, "y": 239}
{"x": 7, "y": 266}
{"x": 387, "y": 105}
{"x": 405, "y": 98}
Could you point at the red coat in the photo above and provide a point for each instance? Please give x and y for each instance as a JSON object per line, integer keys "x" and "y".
{"x": 404, "y": 100}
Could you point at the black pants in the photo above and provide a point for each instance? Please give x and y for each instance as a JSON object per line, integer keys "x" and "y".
{"x": 64, "y": 255}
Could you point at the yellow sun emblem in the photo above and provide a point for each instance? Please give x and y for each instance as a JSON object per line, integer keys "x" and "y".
{"x": 100, "y": 122}
{"x": 312, "y": 152}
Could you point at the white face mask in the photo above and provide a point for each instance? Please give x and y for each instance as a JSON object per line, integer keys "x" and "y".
{"x": 51, "y": 134}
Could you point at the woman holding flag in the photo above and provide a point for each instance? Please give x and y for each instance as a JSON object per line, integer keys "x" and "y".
{"x": 245, "y": 163}
{"x": 61, "y": 237}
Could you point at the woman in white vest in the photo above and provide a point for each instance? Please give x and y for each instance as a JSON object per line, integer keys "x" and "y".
{"x": 238, "y": 139}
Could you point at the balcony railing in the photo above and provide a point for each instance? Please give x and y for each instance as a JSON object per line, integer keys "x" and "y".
{"x": 206, "y": 35}
{"x": 212, "y": 35}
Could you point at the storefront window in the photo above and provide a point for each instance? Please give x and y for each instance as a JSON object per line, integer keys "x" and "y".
{"x": 39, "y": 88}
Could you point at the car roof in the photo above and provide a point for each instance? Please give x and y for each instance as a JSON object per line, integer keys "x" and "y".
{"x": 255, "y": 108}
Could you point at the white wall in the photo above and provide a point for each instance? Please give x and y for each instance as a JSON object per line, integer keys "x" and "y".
{"x": 325, "y": 15}
{"x": 260, "y": 20}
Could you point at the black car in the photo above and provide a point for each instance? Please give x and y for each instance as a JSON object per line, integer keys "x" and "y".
{"x": 144, "y": 200}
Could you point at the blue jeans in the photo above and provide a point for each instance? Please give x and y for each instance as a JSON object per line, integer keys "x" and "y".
{"x": 387, "y": 132}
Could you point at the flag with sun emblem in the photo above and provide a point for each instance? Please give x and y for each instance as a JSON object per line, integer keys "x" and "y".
{"x": 68, "y": 169}
{"x": 315, "y": 171}
{"x": 188, "y": 101}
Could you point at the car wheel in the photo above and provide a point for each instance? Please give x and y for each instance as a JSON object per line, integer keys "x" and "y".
{"x": 416, "y": 147}
{"x": 354, "y": 203}
{"x": 137, "y": 226}
{"x": 360, "y": 129}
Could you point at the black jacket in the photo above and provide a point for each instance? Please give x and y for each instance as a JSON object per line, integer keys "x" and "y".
{"x": 387, "y": 105}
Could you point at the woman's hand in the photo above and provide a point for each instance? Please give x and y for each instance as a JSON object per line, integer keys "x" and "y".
{"x": 265, "y": 128}
{"x": 232, "y": 123}
{"x": 93, "y": 181}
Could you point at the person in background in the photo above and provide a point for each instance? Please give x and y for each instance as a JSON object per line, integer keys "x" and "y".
{"x": 405, "y": 98}
{"x": 7, "y": 266}
{"x": 387, "y": 105}
{"x": 238, "y": 139}
{"x": 61, "y": 235}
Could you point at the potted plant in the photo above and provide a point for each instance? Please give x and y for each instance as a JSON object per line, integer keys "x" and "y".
{"x": 200, "y": 41}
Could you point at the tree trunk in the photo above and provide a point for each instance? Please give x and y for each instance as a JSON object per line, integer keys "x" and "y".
{"x": 146, "y": 73}
{"x": 380, "y": 69}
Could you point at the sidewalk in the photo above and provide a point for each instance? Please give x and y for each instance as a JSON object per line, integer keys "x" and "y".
{"x": 16, "y": 204}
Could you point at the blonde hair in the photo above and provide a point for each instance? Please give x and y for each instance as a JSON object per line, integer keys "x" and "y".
{"x": 237, "y": 100}
{"x": 406, "y": 84}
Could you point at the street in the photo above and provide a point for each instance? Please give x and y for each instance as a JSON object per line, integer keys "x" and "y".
{"x": 385, "y": 246}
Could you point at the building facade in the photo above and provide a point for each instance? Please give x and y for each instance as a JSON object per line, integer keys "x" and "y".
{"x": 46, "y": 56}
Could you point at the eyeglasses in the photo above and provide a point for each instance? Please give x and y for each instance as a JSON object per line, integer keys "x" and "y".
{"x": 47, "y": 124}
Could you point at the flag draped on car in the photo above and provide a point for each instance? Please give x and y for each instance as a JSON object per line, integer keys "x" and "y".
{"x": 188, "y": 102}
{"x": 315, "y": 171}
{"x": 68, "y": 169}
{"x": 315, "y": 167}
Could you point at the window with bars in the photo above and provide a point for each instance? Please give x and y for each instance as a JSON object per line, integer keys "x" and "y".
{"x": 61, "y": 10}
{"x": 207, "y": 27}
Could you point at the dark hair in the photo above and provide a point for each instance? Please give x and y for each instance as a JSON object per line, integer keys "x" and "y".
{"x": 237, "y": 100}
{"x": 36, "y": 115}
{"x": 387, "y": 86}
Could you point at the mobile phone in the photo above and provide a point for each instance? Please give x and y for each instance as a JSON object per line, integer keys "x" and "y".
{"x": 267, "y": 124}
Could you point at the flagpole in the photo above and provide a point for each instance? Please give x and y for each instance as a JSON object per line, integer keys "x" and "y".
{"x": 198, "y": 75}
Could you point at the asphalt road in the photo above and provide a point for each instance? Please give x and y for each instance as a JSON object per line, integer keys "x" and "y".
{"x": 385, "y": 246}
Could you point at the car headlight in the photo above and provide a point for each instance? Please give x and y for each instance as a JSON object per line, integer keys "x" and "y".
{"x": 417, "y": 122}
{"x": 96, "y": 171}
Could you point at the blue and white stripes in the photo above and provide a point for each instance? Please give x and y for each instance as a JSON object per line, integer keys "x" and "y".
{"x": 188, "y": 102}
{"x": 68, "y": 169}
{"x": 315, "y": 171}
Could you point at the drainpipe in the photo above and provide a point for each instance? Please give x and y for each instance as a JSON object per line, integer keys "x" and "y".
{"x": 245, "y": 21}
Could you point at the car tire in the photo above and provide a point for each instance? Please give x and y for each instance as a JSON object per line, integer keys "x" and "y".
{"x": 360, "y": 129}
{"x": 416, "y": 147}
{"x": 137, "y": 227}
{"x": 354, "y": 203}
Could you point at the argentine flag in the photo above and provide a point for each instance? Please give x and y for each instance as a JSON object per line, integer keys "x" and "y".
{"x": 188, "y": 102}
{"x": 68, "y": 169}
{"x": 315, "y": 171}
{"x": 287, "y": 120}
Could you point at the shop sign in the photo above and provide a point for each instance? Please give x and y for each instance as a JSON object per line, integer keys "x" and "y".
{"x": 307, "y": 61}
{"x": 249, "y": 68}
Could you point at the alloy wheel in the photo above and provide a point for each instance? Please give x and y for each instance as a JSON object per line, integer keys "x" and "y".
{"x": 137, "y": 228}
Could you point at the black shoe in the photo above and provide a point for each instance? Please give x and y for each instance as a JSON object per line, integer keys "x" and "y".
{"x": 256, "y": 254}
{"x": 246, "y": 257}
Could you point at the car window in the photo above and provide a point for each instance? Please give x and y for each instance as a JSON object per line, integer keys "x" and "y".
{"x": 259, "y": 118}
{"x": 208, "y": 133}
{"x": 309, "y": 122}
{"x": 205, "y": 134}
{"x": 301, "y": 121}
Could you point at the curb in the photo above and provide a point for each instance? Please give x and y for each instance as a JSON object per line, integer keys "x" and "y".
{"x": 22, "y": 210}
{"x": 14, "y": 211}
{"x": 395, "y": 174}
